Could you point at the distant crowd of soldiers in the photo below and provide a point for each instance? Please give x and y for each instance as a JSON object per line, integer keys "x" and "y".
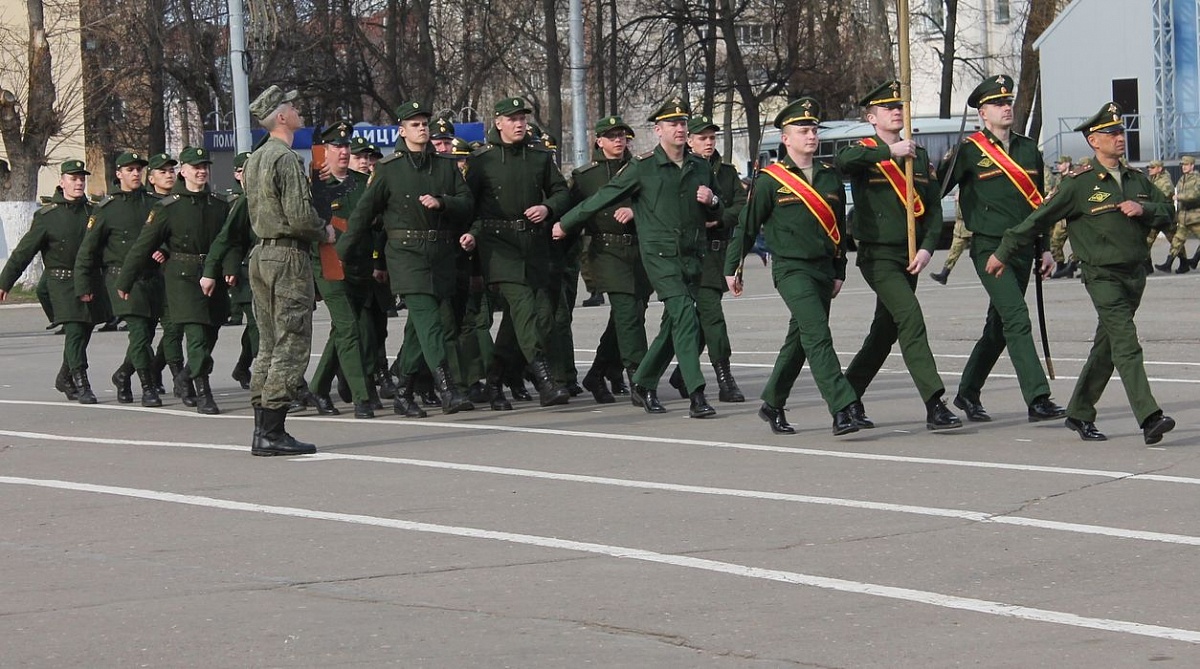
{"x": 460, "y": 234}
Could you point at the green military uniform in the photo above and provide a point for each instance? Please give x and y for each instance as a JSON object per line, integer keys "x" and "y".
{"x": 809, "y": 260}
{"x": 241, "y": 305}
{"x": 185, "y": 224}
{"x": 169, "y": 353}
{"x": 506, "y": 180}
{"x": 881, "y": 233}
{"x": 672, "y": 243}
{"x": 1111, "y": 253}
{"x": 114, "y": 226}
{"x": 57, "y": 231}
{"x": 1187, "y": 200}
{"x": 421, "y": 252}
{"x": 614, "y": 261}
{"x": 991, "y": 204}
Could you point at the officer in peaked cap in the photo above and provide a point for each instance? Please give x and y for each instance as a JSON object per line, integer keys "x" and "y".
{"x": 441, "y": 134}
{"x": 1109, "y": 207}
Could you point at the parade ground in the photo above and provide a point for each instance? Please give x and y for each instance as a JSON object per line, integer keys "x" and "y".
{"x": 599, "y": 535}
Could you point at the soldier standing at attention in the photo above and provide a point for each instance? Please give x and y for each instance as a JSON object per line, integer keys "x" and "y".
{"x": 999, "y": 175}
{"x": 112, "y": 230}
{"x": 57, "y": 231}
{"x": 674, "y": 200}
{"x": 801, "y": 204}
{"x": 185, "y": 223}
{"x": 518, "y": 191}
{"x": 281, "y": 275}
{"x": 702, "y": 142}
{"x": 422, "y": 201}
{"x": 1109, "y": 207}
{"x": 874, "y": 167}
{"x": 1187, "y": 199}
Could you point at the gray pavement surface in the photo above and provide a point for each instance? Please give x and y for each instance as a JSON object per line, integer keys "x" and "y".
{"x": 591, "y": 535}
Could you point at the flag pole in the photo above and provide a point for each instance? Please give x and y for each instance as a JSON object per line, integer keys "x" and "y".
{"x": 902, "y": 18}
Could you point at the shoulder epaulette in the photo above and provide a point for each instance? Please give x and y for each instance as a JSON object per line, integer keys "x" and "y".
{"x": 47, "y": 207}
{"x": 447, "y": 156}
{"x": 168, "y": 200}
{"x": 643, "y": 156}
{"x": 585, "y": 168}
{"x": 389, "y": 158}
{"x": 1080, "y": 169}
{"x": 482, "y": 150}
{"x": 103, "y": 203}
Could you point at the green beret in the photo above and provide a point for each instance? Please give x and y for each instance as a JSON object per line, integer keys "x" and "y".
{"x": 269, "y": 100}
{"x": 442, "y": 129}
{"x": 411, "y": 109}
{"x": 131, "y": 158}
{"x": 885, "y": 95}
{"x": 160, "y": 160}
{"x": 460, "y": 147}
{"x": 698, "y": 124}
{"x": 239, "y": 161}
{"x": 671, "y": 109}
{"x": 608, "y": 123}
{"x": 194, "y": 155}
{"x": 997, "y": 90}
{"x": 801, "y": 111}
{"x": 338, "y": 134}
{"x": 1065, "y": 159}
{"x": 1107, "y": 121}
{"x": 512, "y": 106}
{"x": 73, "y": 167}
{"x": 1187, "y": 160}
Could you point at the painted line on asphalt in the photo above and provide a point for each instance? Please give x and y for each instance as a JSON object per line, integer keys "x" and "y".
{"x": 935, "y": 599}
{"x": 866, "y": 505}
{"x": 609, "y": 436}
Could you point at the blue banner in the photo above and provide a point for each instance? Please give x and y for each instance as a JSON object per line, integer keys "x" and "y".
{"x": 222, "y": 141}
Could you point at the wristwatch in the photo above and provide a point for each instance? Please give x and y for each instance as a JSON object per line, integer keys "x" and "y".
{"x": 715, "y": 201}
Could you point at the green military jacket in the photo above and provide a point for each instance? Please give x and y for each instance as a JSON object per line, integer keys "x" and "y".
{"x": 879, "y": 216}
{"x": 616, "y": 264}
{"x": 1187, "y": 191}
{"x": 670, "y": 222}
{"x": 505, "y": 180}
{"x": 278, "y": 194}
{"x": 229, "y": 254}
{"x": 422, "y": 244}
{"x": 184, "y": 224}
{"x": 794, "y": 234}
{"x": 113, "y": 227}
{"x": 1099, "y": 233}
{"x": 990, "y": 203}
{"x": 56, "y": 232}
{"x": 733, "y": 194}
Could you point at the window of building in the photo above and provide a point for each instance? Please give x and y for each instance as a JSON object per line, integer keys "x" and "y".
{"x": 1003, "y": 11}
{"x": 936, "y": 12}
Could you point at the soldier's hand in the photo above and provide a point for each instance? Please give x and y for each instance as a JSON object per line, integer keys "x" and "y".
{"x": 467, "y": 242}
{"x": 537, "y": 213}
{"x": 1047, "y": 266}
{"x": 919, "y": 261}
{"x": 123, "y": 295}
{"x": 380, "y": 275}
{"x": 623, "y": 215}
{"x": 837, "y": 288}
{"x": 323, "y": 170}
{"x": 735, "y": 285}
{"x": 905, "y": 148}
{"x": 430, "y": 202}
{"x": 704, "y": 196}
{"x": 558, "y": 232}
{"x": 994, "y": 266}
{"x": 85, "y": 298}
{"x": 711, "y": 224}
{"x": 159, "y": 257}
{"x": 231, "y": 280}
{"x": 207, "y": 286}
{"x": 1131, "y": 209}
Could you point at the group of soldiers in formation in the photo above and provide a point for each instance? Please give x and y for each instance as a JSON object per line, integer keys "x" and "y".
{"x": 461, "y": 234}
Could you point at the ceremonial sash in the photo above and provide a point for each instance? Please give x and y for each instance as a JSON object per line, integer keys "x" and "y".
{"x": 895, "y": 176}
{"x": 1015, "y": 173}
{"x": 810, "y": 197}
{"x": 331, "y": 265}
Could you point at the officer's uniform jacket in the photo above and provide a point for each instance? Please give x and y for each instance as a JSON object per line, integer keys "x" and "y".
{"x": 114, "y": 226}
{"x": 988, "y": 200}
{"x": 616, "y": 264}
{"x": 879, "y": 216}
{"x": 229, "y": 254}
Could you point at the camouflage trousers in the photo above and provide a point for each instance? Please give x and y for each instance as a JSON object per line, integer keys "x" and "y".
{"x": 962, "y": 239}
{"x": 1188, "y": 226}
{"x": 1058, "y": 240}
{"x": 281, "y": 281}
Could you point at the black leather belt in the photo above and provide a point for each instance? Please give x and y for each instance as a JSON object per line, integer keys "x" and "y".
{"x": 288, "y": 242}
{"x": 112, "y": 269}
{"x": 716, "y": 244}
{"x": 189, "y": 257}
{"x": 60, "y": 273}
{"x": 520, "y": 225}
{"x": 614, "y": 239}
{"x": 423, "y": 235}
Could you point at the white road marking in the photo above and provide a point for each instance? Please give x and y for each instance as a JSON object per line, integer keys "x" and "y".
{"x": 826, "y": 583}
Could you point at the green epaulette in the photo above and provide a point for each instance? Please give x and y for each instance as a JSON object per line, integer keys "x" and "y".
{"x": 643, "y": 156}
{"x": 1081, "y": 169}
{"x": 103, "y": 203}
{"x": 50, "y": 206}
{"x": 590, "y": 166}
{"x": 388, "y": 159}
{"x": 168, "y": 200}
{"x": 482, "y": 150}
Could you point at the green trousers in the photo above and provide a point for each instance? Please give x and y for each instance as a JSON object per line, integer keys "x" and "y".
{"x": 898, "y": 316}
{"x": 475, "y": 344}
{"x": 713, "y": 332}
{"x": 561, "y": 353}
{"x": 623, "y": 342}
{"x": 807, "y": 291}
{"x": 43, "y": 295}
{"x": 249, "y": 340}
{"x": 171, "y": 343}
{"x": 344, "y": 348}
{"x": 527, "y": 312}
{"x": 1116, "y": 293}
{"x": 77, "y": 336}
{"x": 140, "y": 351}
{"x": 427, "y": 335}
{"x": 678, "y": 336}
{"x": 201, "y": 340}
{"x": 1007, "y": 326}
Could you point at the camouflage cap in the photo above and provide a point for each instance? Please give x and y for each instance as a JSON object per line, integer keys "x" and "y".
{"x": 442, "y": 129}
{"x": 239, "y": 161}
{"x": 698, "y": 124}
{"x": 886, "y": 95}
{"x": 161, "y": 160}
{"x": 1155, "y": 163}
{"x": 73, "y": 167}
{"x": 194, "y": 155}
{"x": 1065, "y": 159}
{"x": 338, "y": 134}
{"x": 131, "y": 158}
{"x": 1107, "y": 121}
{"x": 410, "y": 109}
{"x": 269, "y": 100}
{"x": 610, "y": 123}
{"x": 801, "y": 111}
{"x": 670, "y": 110}
{"x": 1187, "y": 160}
{"x": 994, "y": 90}
{"x": 511, "y": 106}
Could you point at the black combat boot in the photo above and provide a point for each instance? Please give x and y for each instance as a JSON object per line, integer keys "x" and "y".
{"x": 700, "y": 408}
{"x": 496, "y": 398}
{"x": 121, "y": 380}
{"x": 452, "y": 401}
{"x": 516, "y": 386}
{"x": 549, "y": 392}
{"x": 616, "y": 380}
{"x": 594, "y": 300}
{"x": 150, "y": 396}
{"x": 183, "y": 384}
{"x": 775, "y": 418}
{"x": 64, "y": 384}
{"x": 80, "y": 377}
{"x": 404, "y": 404}
{"x": 205, "y": 403}
{"x": 387, "y": 388}
{"x": 1166, "y": 266}
{"x": 156, "y": 368}
{"x": 859, "y": 414}
{"x": 595, "y": 384}
{"x": 1185, "y": 265}
{"x": 1195, "y": 261}
{"x": 727, "y": 387}
{"x": 241, "y": 374}
{"x": 938, "y": 417}
{"x": 646, "y": 398}
{"x": 275, "y": 440}
{"x": 843, "y": 421}
{"x": 941, "y": 276}
{"x": 1066, "y": 271}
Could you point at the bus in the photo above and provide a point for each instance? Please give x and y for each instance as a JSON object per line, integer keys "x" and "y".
{"x": 936, "y": 135}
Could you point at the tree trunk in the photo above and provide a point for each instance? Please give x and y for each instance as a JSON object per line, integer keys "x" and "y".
{"x": 1041, "y": 13}
{"x": 553, "y": 122}
{"x": 26, "y": 146}
{"x": 951, "y": 29}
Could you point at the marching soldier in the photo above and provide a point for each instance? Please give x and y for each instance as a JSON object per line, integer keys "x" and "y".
{"x": 1162, "y": 181}
{"x": 185, "y": 224}
{"x": 801, "y": 204}
{"x": 1063, "y": 267}
{"x": 1109, "y": 207}
{"x": 112, "y": 230}
{"x": 57, "y": 231}
{"x": 228, "y": 257}
{"x": 962, "y": 239}
{"x": 999, "y": 175}
{"x": 422, "y": 201}
{"x": 1187, "y": 199}
{"x": 161, "y": 176}
{"x": 674, "y": 197}
{"x": 877, "y": 182}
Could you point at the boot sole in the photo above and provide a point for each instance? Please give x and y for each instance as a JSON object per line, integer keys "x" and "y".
{"x": 949, "y": 426}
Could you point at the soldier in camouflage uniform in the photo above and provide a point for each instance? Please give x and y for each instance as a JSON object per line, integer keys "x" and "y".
{"x": 1187, "y": 201}
{"x": 57, "y": 231}
{"x": 962, "y": 241}
{"x": 112, "y": 230}
{"x": 1064, "y": 266}
{"x": 1162, "y": 181}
